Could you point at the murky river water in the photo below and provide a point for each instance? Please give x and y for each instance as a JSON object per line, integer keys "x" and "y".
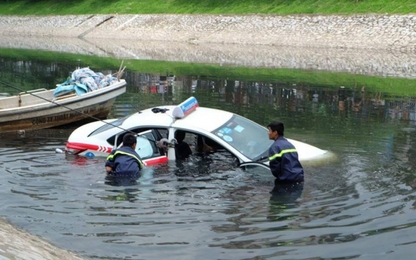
{"x": 361, "y": 206}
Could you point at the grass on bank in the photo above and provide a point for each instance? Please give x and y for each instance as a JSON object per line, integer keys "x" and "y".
{"x": 280, "y": 7}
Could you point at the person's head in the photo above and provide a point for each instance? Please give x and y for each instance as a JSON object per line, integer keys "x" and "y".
{"x": 129, "y": 140}
{"x": 276, "y": 129}
{"x": 179, "y": 135}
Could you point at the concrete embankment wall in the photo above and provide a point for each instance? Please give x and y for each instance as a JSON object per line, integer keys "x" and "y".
{"x": 381, "y": 45}
{"x": 358, "y": 31}
{"x": 16, "y": 244}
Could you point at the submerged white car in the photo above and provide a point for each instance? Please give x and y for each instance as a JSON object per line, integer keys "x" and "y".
{"x": 210, "y": 128}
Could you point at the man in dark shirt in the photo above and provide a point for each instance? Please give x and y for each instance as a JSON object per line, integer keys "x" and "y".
{"x": 182, "y": 148}
{"x": 284, "y": 161}
{"x": 124, "y": 162}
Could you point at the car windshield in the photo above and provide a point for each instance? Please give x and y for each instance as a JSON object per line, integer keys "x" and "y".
{"x": 245, "y": 136}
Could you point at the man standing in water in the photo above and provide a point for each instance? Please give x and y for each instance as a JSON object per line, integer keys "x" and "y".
{"x": 124, "y": 162}
{"x": 284, "y": 161}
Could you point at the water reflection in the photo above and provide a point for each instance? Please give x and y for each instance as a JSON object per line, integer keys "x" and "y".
{"x": 286, "y": 195}
{"x": 241, "y": 96}
{"x": 238, "y": 95}
{"x": 120, "y": 181}
{"x": 127, "y": 194}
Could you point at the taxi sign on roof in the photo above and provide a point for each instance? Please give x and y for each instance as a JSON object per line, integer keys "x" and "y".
{"x": 185, "y": 108}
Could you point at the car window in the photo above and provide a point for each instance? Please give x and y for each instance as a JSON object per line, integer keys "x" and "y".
{"x": 201, "y": 144}
{"x": 146, "y": 143}
{"x": 245, "y": 136}
{"x": 144, "y": 147}
{"x": 158, "y": 133}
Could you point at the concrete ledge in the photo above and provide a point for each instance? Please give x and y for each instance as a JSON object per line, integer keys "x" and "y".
{"x": 358, "y": 31}
{"x": 16, "y": 244}
{"x": 380, "y": 45}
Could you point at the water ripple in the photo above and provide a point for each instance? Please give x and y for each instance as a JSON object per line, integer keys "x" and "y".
{"x": 192, "y": 211}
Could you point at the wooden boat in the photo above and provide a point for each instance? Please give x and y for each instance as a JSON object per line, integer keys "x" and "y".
{"x": 38, "y": 109}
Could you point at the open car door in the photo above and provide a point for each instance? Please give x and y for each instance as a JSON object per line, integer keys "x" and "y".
{"x": 147, "y": 149}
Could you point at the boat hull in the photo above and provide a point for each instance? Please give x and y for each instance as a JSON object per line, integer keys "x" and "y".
{"x": 94, "y": 105}
{"x": 96, "y": 111}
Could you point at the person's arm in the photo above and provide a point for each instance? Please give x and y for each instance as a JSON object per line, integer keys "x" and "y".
{"x": 202, "y": 147}
{"x": 188, "y": 150}
{"x": 275, "y": 162}
{"x": 163, "y": 144}
{"x": 140, "y": 163}
{"x": 275, "y": 168}
{"x": 183, "y": 150}
{"x": 109, "y": 164}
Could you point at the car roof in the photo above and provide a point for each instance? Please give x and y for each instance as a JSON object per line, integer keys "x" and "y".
{"x": 202, "y": 119}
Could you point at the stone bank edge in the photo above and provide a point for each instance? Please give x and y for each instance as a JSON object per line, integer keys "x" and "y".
{"x": 358, "y": 31}
{"x": 16, "y": 244}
